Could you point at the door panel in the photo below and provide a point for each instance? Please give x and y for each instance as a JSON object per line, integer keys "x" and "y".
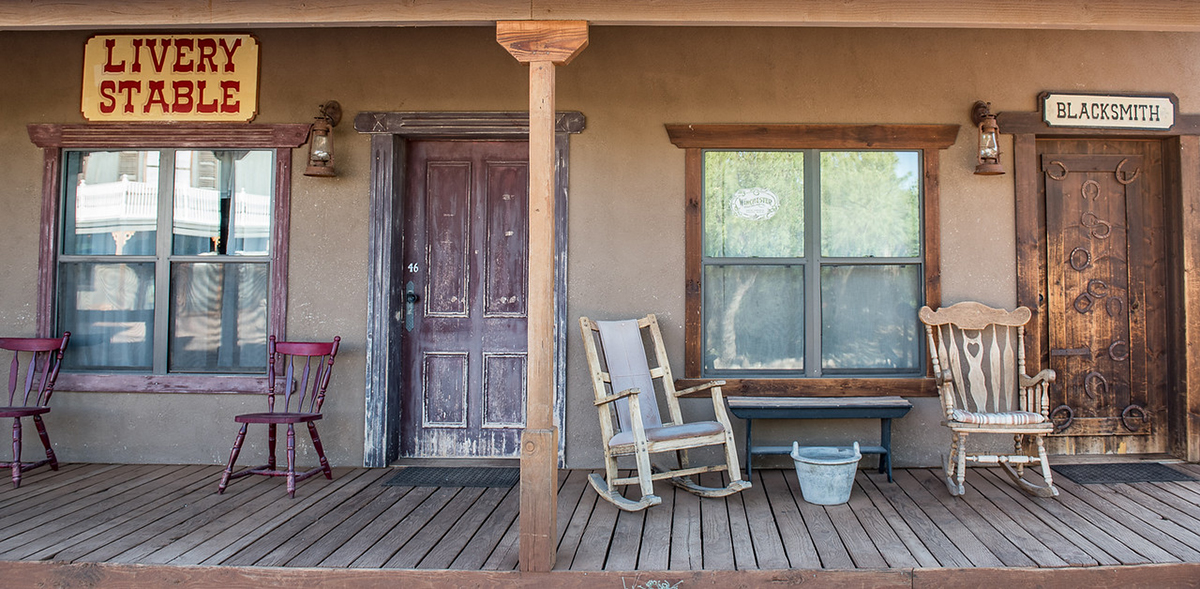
{"x": 1105, "y": 295}
{"x": 465, "y": 257}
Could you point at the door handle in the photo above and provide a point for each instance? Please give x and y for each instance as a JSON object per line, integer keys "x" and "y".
{"x": 410, "y": 299}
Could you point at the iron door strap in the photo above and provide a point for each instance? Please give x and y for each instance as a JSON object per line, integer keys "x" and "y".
{"x": 1071, "y": 352}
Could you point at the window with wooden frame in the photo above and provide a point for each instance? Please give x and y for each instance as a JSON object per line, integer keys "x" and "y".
{"x": 809, "y": 250}
{"x": 164, "y": 252}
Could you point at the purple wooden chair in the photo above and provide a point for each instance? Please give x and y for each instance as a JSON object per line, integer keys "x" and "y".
{"x": 299, "y": 371}
{"x": 30, "y": 384}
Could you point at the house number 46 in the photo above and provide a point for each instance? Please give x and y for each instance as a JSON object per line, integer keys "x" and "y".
{"x": 413, "y": 267}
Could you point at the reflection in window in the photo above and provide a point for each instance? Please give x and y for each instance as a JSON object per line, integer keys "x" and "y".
{"x": 215, "y": 205}
{"x": 812, "y": 263}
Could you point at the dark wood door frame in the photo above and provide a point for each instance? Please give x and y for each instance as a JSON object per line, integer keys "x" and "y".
{"x": 1181, "y": 165}
{"x": 390, "y": 133}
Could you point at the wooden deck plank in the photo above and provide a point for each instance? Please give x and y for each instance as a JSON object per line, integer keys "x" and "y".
{"x": 594, "y": 542}
{"x": 434, "y": 530}
{"x": 377, "y": 528}
{"x": 133, "y": 534}
{"x": 830, "y": 549}
{"x": 626, "y": 541}
{"x": 575, "y": 525}
{"x": 570, "y": 492}
{"x": 391, "y": 542}
{"x": 855, "y": 538}
{"x": 1141, "y": 536}
{"x": 742, "y": 536}
{"x": 1033, "y": 534}
{"x": 654, "y": 553}
{"x": 380, "y": 501}
{"x": 224, "y": 545}
{"x": 213, "y": 522}
{"x": 764, "y": 531}
{"x": 797, "y": 543}
{"x": 1184, "y": 513}
{"x": 716, "y": 540}
{"x": 456, "y": 539}
{"x": 993, "y": 534}
{"x": 893, "y": 551}
{"x": 103, "y": 510}
{"x": 687, "y": 537}
{"x": 484, "y": 542}
{"x": 303, "y": 530}
{"x": 183, "y": 524}
{"x": 1098, "y": 543}
{"x": 906, "y": 530}
{"x": 959, "y": 534}
{"x": 120, "y": 509}
{"x": 35, "y": 510}
{"x": 507, "y": 553}
{"x": 1174, "y": 538}
{"x": 38, "y": 486}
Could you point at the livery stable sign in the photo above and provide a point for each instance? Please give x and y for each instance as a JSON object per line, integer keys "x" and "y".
{"x": 170, "y": 78}
{"x": 1109, "y": 111}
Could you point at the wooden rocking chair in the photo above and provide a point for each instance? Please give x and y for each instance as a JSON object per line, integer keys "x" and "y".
{"x": 978, "y": 356}
{"x": 624, "y": 385}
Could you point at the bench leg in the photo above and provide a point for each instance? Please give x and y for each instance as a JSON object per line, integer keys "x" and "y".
{"x": 749, "y": 452}
{"x": 885, "y": 440}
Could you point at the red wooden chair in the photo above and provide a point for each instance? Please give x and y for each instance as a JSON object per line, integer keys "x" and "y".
{"x": 31, "y": 378}
{"x": 303, "y": 370}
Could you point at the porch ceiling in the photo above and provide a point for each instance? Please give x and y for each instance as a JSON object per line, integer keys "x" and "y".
{"x": 1145, "y": 15}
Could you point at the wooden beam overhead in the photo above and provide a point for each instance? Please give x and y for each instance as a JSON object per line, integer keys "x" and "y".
{"x": 1115, "y": 15}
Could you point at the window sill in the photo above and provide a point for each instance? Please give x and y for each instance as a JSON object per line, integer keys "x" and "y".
{"x": 159, "y": 383}
{"x": 820, "y": 387}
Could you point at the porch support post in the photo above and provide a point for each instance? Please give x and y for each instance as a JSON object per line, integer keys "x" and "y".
{"x": 542, "y": 45}
{"x": 1189, "y": 211}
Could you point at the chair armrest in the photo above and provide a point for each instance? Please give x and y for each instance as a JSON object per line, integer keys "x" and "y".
{"x": 615, "y": 396}
{"x": 700, "y": 387}
{"x": 1047, "y": 376}
{"x": 943, "y": 377}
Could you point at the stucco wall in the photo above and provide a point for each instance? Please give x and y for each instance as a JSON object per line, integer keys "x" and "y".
{"x": 626, "y": 212}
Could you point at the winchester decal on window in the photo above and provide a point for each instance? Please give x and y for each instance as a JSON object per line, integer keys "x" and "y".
{"x": 1114, "y": 111}
{"x": 170, "y": 78}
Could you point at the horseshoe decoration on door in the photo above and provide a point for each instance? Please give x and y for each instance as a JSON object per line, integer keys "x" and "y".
{"x": 1125, "y": 178}
{"x": 1062, "y": 416}
{"x": 1077, "y": 264}
{"x": 1101, "y": 229}
{"x": 1130, "y": 414}
{"x": 1094, "y": 380}
{"x": 1090, "y": 190}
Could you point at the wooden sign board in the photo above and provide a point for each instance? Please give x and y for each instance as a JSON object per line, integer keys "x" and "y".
{"x": 203, "y": 77}
{"x": 1109, "y": 111}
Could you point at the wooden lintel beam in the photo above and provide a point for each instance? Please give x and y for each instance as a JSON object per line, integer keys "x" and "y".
{"x": 555, "y": 41}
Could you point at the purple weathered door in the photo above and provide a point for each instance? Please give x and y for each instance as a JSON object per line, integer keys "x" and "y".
{"x": 464, "y": 294}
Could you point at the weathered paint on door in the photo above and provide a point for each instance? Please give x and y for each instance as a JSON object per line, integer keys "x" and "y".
{"x": 1106, "y": 295}
{"x": 464, "y": 294}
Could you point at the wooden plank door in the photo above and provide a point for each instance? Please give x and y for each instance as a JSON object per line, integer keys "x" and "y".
{"x": 1106, "y": 295}
{"x": 464, "y": 298}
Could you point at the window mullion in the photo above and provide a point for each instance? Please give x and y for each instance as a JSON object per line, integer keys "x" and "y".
{"x": 162, "y": 250}
{"x": 812, "y": 269}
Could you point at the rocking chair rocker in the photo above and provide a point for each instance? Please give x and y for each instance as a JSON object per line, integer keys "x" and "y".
{"x": 978, "y": 356}
{"x": 624, "y": 385}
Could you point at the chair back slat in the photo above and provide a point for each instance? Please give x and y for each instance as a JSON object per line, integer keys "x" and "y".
{"x": 34, "y": 368}
{"x": 306, "y": 368}
{"x": 625, "y": 357}
{"x": 981, "y": 352}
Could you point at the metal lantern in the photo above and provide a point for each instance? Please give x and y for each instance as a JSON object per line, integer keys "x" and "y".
{"x": 320, "y": 140}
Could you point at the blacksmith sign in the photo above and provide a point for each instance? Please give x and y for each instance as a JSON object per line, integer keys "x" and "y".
{"x": 1109, "y": 111}
{"x": 155, "y": 77}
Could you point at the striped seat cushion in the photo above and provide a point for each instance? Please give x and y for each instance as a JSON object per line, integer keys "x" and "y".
{"x": 1009, "y": 418}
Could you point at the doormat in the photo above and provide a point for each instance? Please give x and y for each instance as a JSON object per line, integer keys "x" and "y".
{"x": 427, "y": 476}
{"x": 1121, "y": 472}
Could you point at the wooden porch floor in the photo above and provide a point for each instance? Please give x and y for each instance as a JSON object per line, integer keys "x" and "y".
{"x": 171, "y": 515}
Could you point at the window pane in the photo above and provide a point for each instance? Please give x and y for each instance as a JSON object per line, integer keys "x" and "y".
{"x": 218, "y": 317}
{"x": 754, "y": 204}
{"x": 111, "y": 203}
{"x": 109, "y": 310}
{"x": 754, "y": 318}
{"x": 869, "y": 317}
{"x": 222, "y": 202}
{"x": 870, "y": 204}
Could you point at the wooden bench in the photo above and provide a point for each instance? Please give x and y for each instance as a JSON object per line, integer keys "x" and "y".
{"x": 882, "y": 408}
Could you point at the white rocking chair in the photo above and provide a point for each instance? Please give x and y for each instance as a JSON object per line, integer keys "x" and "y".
{"x": 978, "y": 356}
{"x": 624, "y": 385}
